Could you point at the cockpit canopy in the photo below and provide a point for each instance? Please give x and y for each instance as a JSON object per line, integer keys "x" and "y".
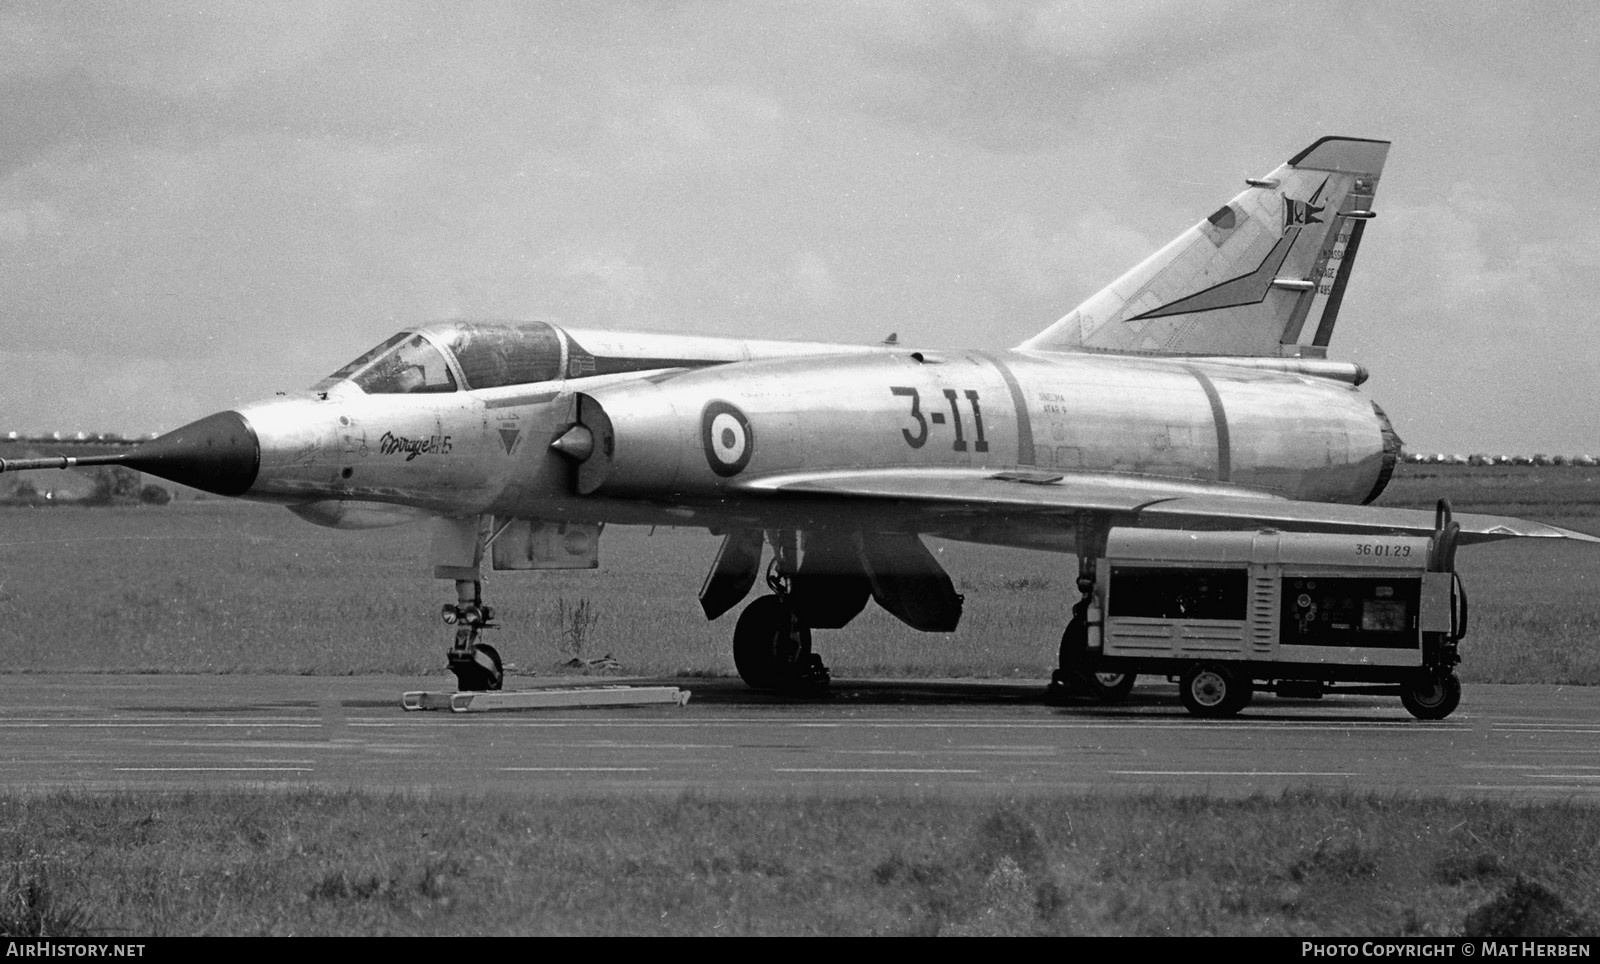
{"x": 455, "y": 356}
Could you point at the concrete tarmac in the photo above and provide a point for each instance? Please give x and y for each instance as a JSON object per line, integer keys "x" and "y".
{"x": 894, "y": 738}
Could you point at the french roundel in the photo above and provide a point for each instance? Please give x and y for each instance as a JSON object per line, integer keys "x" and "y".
{"x": 725, "y": 433}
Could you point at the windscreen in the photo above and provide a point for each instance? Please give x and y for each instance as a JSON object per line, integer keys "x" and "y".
{"x": 360, "y": 362}
{"x": 403, "y": 365}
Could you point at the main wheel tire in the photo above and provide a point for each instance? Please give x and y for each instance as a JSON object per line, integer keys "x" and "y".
{"x": 766, "y": 643}
{"x": 1432, "y": 696}
{"x": 1074, "y": 645}
{"x": 1110, "y": 687}
{"x": 1213, "y": 690}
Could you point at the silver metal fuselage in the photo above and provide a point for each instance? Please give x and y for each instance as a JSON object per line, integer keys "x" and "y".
{"x": 682, "y": 446}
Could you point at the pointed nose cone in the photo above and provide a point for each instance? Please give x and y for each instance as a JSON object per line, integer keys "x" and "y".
{"x": 220, "y": 453}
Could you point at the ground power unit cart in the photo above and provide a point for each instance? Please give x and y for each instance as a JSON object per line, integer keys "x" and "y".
{"x": 1297, "y": 614}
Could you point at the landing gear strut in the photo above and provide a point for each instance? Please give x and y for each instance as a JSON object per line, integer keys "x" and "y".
{"x": 771, "y": 646}
{"x": 477, "y": 665}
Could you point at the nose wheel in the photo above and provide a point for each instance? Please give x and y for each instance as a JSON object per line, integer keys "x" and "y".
{"x": 481, "y": 672}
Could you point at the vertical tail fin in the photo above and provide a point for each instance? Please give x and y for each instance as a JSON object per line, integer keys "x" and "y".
{"x": 1263, "y": 276}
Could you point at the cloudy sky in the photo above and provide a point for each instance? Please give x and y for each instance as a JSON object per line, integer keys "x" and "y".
{"x": 204, "y": 203}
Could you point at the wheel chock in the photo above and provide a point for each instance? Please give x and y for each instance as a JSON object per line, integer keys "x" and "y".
{"x": 568, "y": 697}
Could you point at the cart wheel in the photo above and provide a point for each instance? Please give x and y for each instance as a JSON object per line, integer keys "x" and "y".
{"x": 1432, "y": 696}
{"x": 1213, "y": 690}
{"x": 1110, "y": 687}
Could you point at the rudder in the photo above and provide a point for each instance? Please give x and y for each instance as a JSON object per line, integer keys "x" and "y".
{"x": 1263, "y": 276}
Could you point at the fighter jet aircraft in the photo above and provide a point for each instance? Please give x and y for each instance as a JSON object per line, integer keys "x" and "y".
{"x": 1192, "y": 392}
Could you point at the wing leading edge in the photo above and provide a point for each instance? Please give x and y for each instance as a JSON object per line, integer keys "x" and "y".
{"x": 935, "y": 495}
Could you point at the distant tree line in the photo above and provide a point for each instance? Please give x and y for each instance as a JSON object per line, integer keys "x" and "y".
{"x": 1480, "y": 458}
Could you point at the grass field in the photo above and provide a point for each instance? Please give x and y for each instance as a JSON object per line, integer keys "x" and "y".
{"x": 1535, "y": 615}
{"x": 331, "y": 863}
{"x": 229, "y": 587}
{"x": 1544, "y": 493}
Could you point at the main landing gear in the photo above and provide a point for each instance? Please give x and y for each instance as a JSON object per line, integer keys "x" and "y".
{"x": 1077, "y": 673}
{"x": 772, "y": 646}
{"x": 477, "y": 665}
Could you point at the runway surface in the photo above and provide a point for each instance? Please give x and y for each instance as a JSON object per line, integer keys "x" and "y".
{"x": 978, "y": 738}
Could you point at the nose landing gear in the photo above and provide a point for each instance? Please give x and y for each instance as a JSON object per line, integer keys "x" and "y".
{"x": 477, "y": 665}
